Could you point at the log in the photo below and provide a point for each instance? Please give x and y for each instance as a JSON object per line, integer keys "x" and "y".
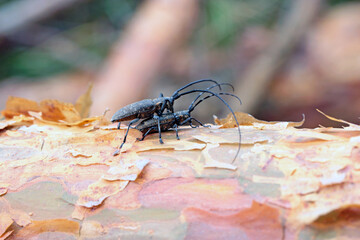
{"x": 59, "y": 178}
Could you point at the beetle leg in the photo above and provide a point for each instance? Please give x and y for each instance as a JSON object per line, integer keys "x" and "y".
{"x": 118, "y": 127}
{"x": 127, "y": 131}
{"x": 185, "y": 121}
{"x": 170, "y": 105}
{"x": 145, "y": 134}
{"x": 199, "y": 122}
{"x": 159, "y": 129}
{"x": 163, "y": 106}
{"x": 176, "y": 130}
{"x": 190, "y": 120}
{"x": 192, "y": 126}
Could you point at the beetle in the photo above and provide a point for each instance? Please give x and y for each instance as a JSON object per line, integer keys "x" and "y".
{"x": 173, "y": 120}
{"x": 145, "y": 109}
{"x": 167, "y": 119}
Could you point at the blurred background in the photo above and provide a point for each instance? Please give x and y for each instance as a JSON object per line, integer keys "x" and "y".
{"x": 284, "y": 57}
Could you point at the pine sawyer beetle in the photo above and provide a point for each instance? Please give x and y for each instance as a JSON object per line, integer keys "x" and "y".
{"x": 173, "y": 120}
{"x": 145, "y": 109}
{"x": 167, "y": 119}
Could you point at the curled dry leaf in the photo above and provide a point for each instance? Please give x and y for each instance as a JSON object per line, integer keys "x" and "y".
{"x": 84, "y": 103}
{"x": 52, "y": 111}
{"x": 16, "y": 106}
{"x": 246, "y": 119}
{"x": 351, "y": 125}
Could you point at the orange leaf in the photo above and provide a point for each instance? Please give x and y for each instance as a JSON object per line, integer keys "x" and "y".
{"x": 53, "y": 110}
{"x": 247, "y": 119}
{"x": 84, "y": 102}
{"x": 16, "y": 106}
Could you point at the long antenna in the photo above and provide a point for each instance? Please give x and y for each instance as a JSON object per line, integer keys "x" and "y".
{"x": 220, "y": 93}
{"x": 222, "y": 84}
{"x": 227, "y": 105}
{"x": 193, "y": 83}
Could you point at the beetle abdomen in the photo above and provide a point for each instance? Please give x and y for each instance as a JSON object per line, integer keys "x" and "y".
{"x": 141, "y": 109}
{"x": 166, "y": 122}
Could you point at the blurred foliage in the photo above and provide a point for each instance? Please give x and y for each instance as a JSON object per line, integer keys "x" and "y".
{"x": 30, "y": 63}
{"x": 335, "y": 2}
{"x": 92, "y": 31}
{"x": 4, "y": 2}
{"x": 224, "y": 20}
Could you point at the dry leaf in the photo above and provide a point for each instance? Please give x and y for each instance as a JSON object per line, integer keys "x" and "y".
{"x": 351, "y": 125}
{"x": 16, "y": 106}
{"x": 84, "y": 103}
{"x": 247, "y": 119}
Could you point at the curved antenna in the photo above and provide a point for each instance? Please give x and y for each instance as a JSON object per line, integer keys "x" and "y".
{"x": 221, "y": 93}
{"x": 193, "y": 83}
{"x": 222, "y": 84}
{"x": 227, "y": 105}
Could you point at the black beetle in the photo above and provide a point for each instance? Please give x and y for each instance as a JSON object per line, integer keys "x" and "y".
{"x": 145, "y": 109}
{"x": 173, "y": 120}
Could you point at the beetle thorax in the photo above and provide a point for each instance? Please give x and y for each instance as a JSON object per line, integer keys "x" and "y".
{"x": 182, "y": 115}
{"x": 158, "y": 102}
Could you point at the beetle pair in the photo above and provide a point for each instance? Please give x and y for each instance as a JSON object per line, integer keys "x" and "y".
{"x": 155, "y": 120}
